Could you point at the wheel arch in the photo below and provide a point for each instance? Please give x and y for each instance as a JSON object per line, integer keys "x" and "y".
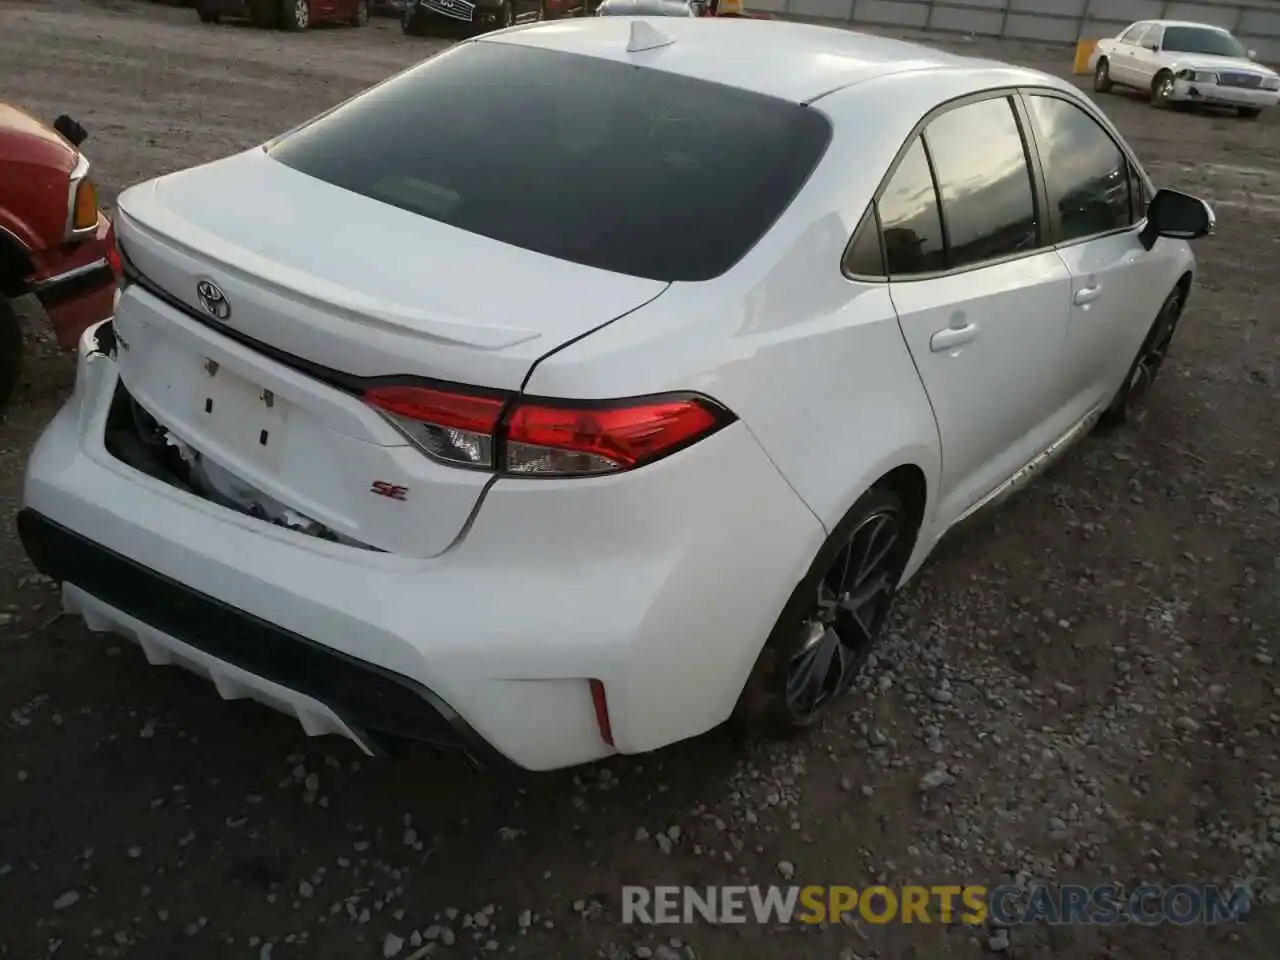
{"x": 15, "y": 265}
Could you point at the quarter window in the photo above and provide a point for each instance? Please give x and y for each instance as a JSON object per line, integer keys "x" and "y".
{"x": 863, "y": 258}
{"x": 910, "y": 226}
{"x": 984, "y": 181}
{"x": 1087, "y": 174}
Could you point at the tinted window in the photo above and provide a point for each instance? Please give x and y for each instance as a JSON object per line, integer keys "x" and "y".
{"x": 1201, "y": 40}
{"x": 1087, "y": 174}
{"x": 909, "y": 220}
{"x": 864, "y": 257}
{"x": 988, "y": 204}
{"x": 642, "y": 172}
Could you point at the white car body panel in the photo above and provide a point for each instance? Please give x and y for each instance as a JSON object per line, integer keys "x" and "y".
{"x": 504, "y": 596}
{"x": 1136, "y": 65}
{"x": 620, "y": 601}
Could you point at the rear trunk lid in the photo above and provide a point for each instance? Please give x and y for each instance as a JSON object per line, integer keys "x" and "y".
{"x": 335, "y": 287}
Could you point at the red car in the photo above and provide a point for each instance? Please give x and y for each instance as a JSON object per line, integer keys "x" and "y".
{"x": 287, "y": 14}
{"x": 54, "y": 240}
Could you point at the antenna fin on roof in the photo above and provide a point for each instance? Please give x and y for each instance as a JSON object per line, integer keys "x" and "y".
{"x": 645, "y": 36}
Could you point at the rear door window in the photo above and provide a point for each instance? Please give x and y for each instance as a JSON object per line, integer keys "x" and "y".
{"x": 635, "y": 171}
{"x": 984, "y": 181}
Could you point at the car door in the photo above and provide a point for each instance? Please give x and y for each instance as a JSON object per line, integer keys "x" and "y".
{"x": 1123, "y": 63}
{"x": 1146, "y": 56}
{"x": 982, "y": 301}
{"x": 1097, "y": 206}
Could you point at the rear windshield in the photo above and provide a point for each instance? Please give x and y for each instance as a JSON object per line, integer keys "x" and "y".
{"x": 630, "y": 170}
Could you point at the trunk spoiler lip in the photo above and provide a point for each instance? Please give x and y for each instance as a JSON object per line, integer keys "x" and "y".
{"x": 164, "y": 229}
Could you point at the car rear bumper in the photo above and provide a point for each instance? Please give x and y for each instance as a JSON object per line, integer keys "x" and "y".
{"x": 661, "y": 585}
{"x": 329, "y": 692}
{"x": 1194, "y": 92}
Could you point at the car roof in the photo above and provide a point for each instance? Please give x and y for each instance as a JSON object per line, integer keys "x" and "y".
{"x": 1180, "y": 23}
{"x": 792, "y": 61}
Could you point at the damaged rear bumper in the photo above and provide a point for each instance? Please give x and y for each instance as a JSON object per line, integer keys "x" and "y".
{"x": 244, "y": 656}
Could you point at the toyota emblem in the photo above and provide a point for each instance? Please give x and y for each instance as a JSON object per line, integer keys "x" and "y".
{"x": 212, "y": 300}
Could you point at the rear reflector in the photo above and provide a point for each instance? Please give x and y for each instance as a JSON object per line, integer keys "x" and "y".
{"x": 546, "y": 438}
{"x": 601, "y": 704}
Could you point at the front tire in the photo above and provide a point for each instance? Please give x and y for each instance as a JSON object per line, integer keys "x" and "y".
{"x": 295, "y": 15}
{"x": 11, "y": 352}
{"x": 1102, "y": 76}
{"x": 833, "y": 619}
{"x": 1162, "y": 90}
{"x": 1146, "y": 365}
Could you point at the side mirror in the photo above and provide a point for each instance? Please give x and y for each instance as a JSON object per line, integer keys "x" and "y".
{"x": 72, "y": 131}
{"x": 1153, "y": 47}
{"x": 1253, "y": 54}
{"x": 1178, "y": 216}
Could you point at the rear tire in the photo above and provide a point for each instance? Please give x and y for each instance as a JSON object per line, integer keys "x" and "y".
{"x": 1249, "y": 113}
{"x": 11, "y": 352}
{"x": 832, "y": 621}
{"x": 1102, "y": 76}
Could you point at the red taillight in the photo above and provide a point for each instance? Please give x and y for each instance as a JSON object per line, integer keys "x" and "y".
{"x": 602, "y": 439}
{"x": 544, "y": 438}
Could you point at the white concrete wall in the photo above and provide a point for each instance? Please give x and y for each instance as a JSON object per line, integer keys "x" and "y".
{"x": 1255, "y": 22}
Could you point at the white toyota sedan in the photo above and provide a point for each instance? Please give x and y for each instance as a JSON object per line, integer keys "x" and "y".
{"x": 1181, "y": 62}
{"x": 577, "y": 420}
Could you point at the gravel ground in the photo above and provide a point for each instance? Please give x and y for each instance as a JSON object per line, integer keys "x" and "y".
{"x": 1081, "y": 690}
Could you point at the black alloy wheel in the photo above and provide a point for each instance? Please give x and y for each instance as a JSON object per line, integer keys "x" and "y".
{"x": 834, "y": 618}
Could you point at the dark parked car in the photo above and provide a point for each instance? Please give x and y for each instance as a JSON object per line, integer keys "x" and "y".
{"x": 286, "y": 14}
{"x": 480, "y": 15}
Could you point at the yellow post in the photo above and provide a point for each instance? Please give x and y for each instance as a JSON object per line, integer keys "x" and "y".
{"x": 1084, "y": 50}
